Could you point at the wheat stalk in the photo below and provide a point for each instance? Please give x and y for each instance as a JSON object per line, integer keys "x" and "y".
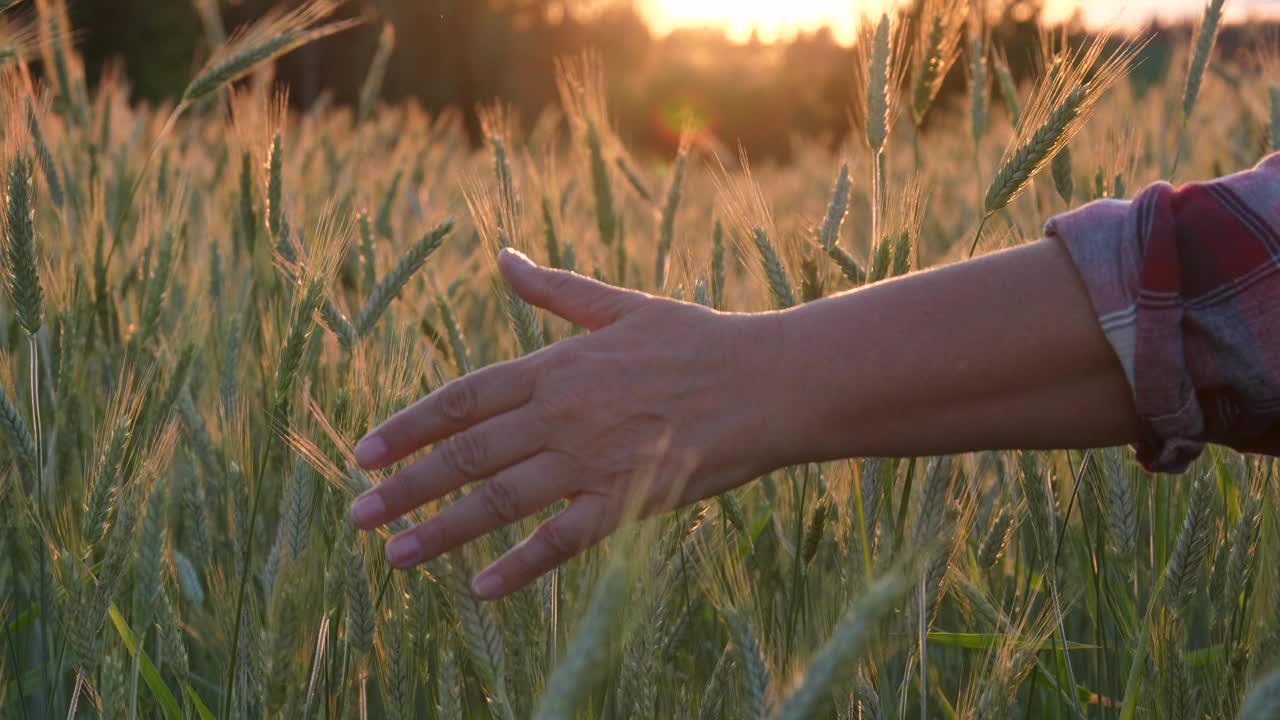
{"x": 713, "y": 695}
{"x": 606, "y": 216}
{"x": 482, "y": 638}
{"x": 1187, "y": 559}
{"x": 1240, "y": 561}
{"x": 44, "y": 156}
{"x": 147, "y": 564}
{"x": 54, "y": 28}
{"x": 847, "y": 643}
{"x": 493, "y": 218}
{"x": 941, "y": 23}
{"x": 1202, "y": 49}
{"x": 314, "y": 279}
{"x": 1060, "y": 168}
{"x": 585, "y": 659}
{"x": 997, "y": 537}
{"x": 19, "y": 438}
{"x": 1121, "y": 514}
{"x": 780, "y": 293}
{"x": 1008, "y": 89}
{"x": 188, "y": 578}
{"x": 1058, "y": 108}
{"x": 1030, "y": 156}
{"x": 632, "y": 176}
{"x": 360, "y": 611}
{"x": 377, "y": 72}
{"x": 978, "y": 88}
{"x": 580, "y": 81}
{"x": 157, "y": 286}
{"x": 994, "y": 686}
{"x": 368, "y": 255}
{"x": 110, "y": 476}
{"x": 837, "y": 208}
{"x": 879, "y": 87}
{"x": 880, "y": 64}
{"x": 667, "y": 225}
{"x": 270, "y": 37}
{"x": 457, "y": 342}
{"x": 717, "y": 266}
{"x": 395, "y": 280}
{"x": 247, "y": 216}
{"x": 549, "y": 235}
{"x": 21, "y": 278}
{"x": 755, "y": 671}
{"x": 812, "y": 280}
{"x": 382, "y": 223}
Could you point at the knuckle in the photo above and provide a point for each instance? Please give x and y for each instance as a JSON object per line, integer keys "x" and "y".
{"x": 554, "y": 408}
{"x": 465, "y": 453}
{"x": 500, "y": 501}
{"x": 558, "y": 395}
{"x": 559, "y": 281}
{"x": 555, "y": 536}
{"x": 458, "y": 401}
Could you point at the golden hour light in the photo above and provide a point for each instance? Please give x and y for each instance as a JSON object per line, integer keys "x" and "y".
{"x": 769, "y": 19}
{"x": 655, "y": 359}
{"x": 773, "y": 21}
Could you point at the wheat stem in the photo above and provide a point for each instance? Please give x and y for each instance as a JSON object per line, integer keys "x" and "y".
{"x": 377, "y": 72}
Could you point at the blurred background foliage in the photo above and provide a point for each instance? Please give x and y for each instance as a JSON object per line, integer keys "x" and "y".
{"x": 462, "y": 53}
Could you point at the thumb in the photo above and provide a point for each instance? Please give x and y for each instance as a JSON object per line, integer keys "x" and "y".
{"x": 580, "y": 300}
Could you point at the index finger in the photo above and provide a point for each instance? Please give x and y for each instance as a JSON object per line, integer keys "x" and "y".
{"x": 454, "y": 407}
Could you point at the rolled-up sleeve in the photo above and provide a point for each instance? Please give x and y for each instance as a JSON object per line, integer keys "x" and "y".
{"x": 1185, "y": 283}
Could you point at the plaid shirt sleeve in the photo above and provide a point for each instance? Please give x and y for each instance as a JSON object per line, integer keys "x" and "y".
{"x": 1186, "y": 286}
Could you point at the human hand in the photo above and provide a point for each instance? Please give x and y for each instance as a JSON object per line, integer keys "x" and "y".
{"x": 674, "y": 392}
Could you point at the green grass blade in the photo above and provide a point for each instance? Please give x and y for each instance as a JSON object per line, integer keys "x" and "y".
{"x": 148, "y": 670}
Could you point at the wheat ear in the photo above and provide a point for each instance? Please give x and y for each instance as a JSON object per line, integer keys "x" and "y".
{"x": 263, "y": 41}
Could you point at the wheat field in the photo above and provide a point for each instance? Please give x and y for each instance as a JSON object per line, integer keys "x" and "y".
{"x": 208, "y": 302}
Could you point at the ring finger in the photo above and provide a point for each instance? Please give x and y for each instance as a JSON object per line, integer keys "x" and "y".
{"x": 508, "y": 496}
{"x": 466, "y": 457}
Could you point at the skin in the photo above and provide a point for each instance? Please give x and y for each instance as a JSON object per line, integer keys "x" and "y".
{"x": 664, "y": 403}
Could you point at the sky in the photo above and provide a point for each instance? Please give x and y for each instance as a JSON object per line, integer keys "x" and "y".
{"x": 783, "y": 18}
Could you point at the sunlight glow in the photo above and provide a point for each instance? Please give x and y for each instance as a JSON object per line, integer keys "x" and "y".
{"x": 770, "y": 19}
{"x": 774, "y": 20}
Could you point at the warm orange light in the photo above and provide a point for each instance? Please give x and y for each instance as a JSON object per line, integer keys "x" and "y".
{"x": 780, "y": 19}
{"x": 770, "y": 19}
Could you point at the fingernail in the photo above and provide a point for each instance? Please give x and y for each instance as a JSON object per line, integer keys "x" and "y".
{"x": 367, "y": 507}
{"x": 517, "y": 255}
{"x": 370, "y": 450}
{"x": 403, "y": 550}
{"x": 487, "y": 585}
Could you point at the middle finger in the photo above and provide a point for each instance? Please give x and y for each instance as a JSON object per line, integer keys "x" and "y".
{"x": 508, "y": 496}
{"x": 465, "y": 457}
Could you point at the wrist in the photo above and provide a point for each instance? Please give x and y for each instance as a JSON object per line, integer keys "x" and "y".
{"x": 789, "y": 374}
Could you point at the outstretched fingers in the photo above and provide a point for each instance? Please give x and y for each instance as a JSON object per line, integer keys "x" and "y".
{"x": 508, "y": 496}
{"x": 465, "y": 457}
{"x": 585, "y": 522}
{"x": 454, "y": 407}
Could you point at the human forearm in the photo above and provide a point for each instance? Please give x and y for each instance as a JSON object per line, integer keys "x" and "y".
{"x": 663, "y": 403}
{"x": 1000, "y": 352}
